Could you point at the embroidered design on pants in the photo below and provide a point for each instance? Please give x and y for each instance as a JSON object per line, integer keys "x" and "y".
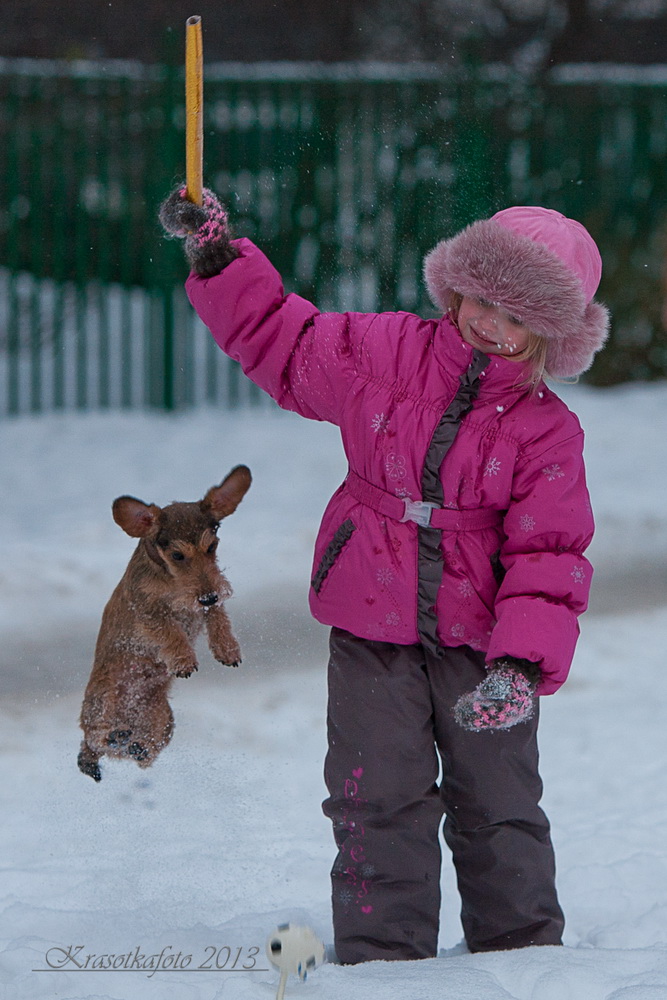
{"x": 357, "y": 871}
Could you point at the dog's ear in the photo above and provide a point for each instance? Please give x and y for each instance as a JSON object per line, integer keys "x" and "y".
{"x": 223, "y": 500}
{"x": 134, "y": 516}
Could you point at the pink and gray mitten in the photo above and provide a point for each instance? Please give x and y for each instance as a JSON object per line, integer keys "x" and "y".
{"x": 205, "y": 229}
{"x": 504, "y": 698}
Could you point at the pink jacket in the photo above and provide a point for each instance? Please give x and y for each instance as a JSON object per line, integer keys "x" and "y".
{"x": 513, "y": 575}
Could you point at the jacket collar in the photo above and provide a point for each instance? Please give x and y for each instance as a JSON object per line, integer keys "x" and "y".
{"x": 500, "y": 374}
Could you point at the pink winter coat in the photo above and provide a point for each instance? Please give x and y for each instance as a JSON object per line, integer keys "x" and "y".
{"x": 513, "y": 575}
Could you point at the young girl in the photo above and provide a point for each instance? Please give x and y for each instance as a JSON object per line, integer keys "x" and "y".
{"x": 449, "y": 562}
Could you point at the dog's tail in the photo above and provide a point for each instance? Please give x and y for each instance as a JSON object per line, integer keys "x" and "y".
{"x": 89, "y": 762}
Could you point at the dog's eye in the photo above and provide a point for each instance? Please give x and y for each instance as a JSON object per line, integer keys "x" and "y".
{"x": 212, "y": 547}
{"x": 177, "y": 556}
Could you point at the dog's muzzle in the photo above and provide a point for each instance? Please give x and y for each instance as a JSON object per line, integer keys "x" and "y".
{"x": 208, "y": 600}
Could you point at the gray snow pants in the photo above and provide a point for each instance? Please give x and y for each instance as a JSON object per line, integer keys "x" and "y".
{"x": 390, "y": 727}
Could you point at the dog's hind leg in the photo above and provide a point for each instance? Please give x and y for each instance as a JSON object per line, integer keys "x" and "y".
{"x": 89, "y": 761}
{"x": 152, "y": 733}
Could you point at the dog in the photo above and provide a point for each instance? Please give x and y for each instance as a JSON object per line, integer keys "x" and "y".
{"x": 171, "y": 590}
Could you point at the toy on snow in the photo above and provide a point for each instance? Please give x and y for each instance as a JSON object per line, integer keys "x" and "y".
{"x": 293, "y": 950}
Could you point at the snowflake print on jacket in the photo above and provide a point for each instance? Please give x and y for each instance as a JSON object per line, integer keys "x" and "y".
{"x": 379, "y": 423}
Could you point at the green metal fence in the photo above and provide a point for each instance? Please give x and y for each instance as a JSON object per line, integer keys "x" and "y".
{"x": 345, "y": 176}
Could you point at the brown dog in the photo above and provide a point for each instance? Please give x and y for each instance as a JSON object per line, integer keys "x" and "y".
{"x": 171, "y": 589}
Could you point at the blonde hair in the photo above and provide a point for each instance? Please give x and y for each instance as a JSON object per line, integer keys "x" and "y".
{"x": 535, "y": 351}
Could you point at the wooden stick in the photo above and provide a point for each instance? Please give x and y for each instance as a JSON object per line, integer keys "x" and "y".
{"x": 194, "y": 109}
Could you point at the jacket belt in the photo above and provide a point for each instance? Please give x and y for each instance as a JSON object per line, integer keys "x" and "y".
{"x": 424, "y": 514}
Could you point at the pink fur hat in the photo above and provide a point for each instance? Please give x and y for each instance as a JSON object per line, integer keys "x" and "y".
{"x": 539, "y": 266}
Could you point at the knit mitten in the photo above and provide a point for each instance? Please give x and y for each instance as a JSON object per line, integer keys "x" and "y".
{"x": 504, "y": 698}
{"x": 205, "y": 229}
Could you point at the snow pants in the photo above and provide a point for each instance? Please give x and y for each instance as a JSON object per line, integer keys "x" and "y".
{"x": 391, "y": 734}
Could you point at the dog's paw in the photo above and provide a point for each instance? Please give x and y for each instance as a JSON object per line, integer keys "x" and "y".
{"x": 231, "y": 663}
{"x": 226, "y": 661}
{"x": 118, "y": 738}
{"x": 137, "y": 751}
{"x": 89, "y": 766}
{"x": 185, "y": 669}
{"x": 230, "y": 656}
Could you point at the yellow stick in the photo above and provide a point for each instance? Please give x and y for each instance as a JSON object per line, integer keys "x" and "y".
{"x": 194, "y": 109}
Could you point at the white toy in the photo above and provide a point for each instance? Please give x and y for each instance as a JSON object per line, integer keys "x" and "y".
{"x": 295, "y": 950}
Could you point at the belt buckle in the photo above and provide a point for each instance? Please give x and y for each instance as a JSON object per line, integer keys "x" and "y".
{"x": 419, "y": 511}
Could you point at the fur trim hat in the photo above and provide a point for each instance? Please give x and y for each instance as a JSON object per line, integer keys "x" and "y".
{"x": 537, "y": 265}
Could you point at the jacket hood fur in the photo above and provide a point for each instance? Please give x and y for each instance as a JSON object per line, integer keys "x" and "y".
{"x": 527, "y": 280}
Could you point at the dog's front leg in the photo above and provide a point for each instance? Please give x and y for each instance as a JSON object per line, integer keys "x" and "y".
{"x": 173, "y": 647}
{"x": 221, "y": 641}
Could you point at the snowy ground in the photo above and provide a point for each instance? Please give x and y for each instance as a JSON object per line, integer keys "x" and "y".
{"x": 223, "y": 838}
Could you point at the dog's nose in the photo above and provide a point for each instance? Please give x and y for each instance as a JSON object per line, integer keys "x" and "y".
{"x": 208, "y": 600}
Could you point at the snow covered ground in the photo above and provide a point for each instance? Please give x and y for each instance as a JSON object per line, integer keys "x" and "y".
{"x": 200, "y": 857}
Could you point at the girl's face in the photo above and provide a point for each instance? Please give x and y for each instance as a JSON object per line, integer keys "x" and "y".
{"x": 490, "y": 329}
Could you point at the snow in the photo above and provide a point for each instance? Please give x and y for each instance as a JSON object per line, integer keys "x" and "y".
{"x": 202, "y": 855}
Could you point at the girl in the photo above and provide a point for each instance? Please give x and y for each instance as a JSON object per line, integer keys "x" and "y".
{"x": 449, "y": 563}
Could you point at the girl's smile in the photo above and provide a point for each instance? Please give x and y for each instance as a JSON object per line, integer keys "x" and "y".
{"x": 490, "y": 329}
